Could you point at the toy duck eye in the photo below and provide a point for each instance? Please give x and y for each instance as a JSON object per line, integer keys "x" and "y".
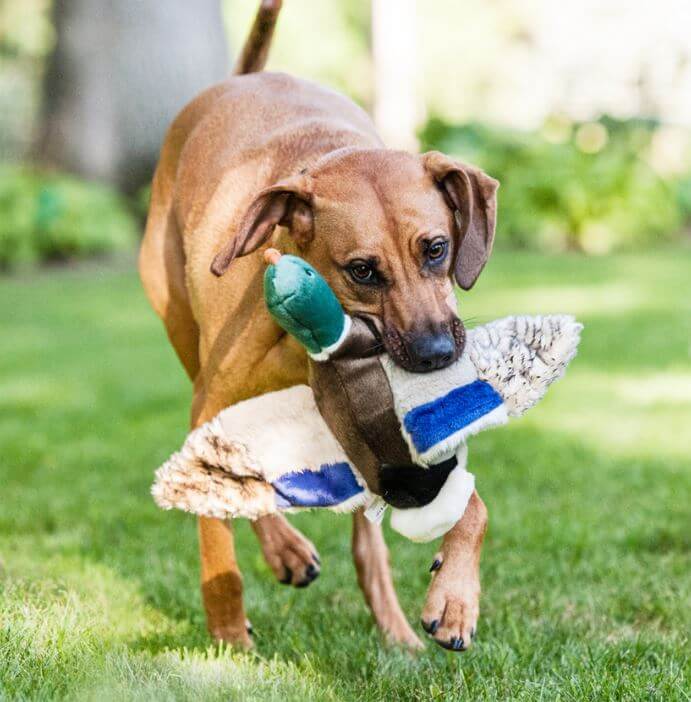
{"x": 363, "y": 272}
{"x": 436, "y": 250}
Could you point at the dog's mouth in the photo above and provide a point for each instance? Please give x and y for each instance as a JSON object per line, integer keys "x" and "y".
{"x": 398, "y": 345}
{"x": 423, "y": 354}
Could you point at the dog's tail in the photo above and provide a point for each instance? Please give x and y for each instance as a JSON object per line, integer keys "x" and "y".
{"x": 256, "y": 49}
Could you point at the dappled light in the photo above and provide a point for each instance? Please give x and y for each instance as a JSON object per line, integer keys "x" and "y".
{"x": 581, "y": 110}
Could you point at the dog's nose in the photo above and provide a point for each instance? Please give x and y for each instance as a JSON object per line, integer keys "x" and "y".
{"x": 431, "y": 352}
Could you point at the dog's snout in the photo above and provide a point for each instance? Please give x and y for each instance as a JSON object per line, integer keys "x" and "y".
{"x": 431, "y": 352}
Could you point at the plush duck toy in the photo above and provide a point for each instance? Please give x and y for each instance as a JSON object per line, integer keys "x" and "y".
{"x": 365, "y": 432}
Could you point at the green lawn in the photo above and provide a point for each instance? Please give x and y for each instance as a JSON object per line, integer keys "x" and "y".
{"x": 586, "y": 570}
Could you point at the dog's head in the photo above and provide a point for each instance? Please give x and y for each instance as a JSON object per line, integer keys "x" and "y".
{"x": 390, "y": 232}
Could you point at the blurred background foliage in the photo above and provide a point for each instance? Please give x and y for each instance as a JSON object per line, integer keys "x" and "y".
{"x": 49, "y": 217}
{"x": 573, "y": 177}
{"x": 591, "y": 186}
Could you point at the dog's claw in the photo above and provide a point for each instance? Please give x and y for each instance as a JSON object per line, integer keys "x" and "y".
{"x": 430, "y": 627}
{"x": 454, "y": 611}
{"x": 454, "y": 644}
{"x": 290, "y": 556}
{"x": 311, "y": 573}
{"x": 457, "y": 644}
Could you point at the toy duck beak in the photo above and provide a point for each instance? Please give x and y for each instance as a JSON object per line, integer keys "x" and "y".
{"x": 272, "y": 256}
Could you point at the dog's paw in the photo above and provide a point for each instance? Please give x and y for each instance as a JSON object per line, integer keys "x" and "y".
{"x": 292, "y": 558}
{"x": 236, "y": 637}
{"x": 452, "y": 608}
{"x": 401, "y": 634}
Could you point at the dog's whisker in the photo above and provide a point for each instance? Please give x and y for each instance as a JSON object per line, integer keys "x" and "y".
{"x": 474, "y": 320}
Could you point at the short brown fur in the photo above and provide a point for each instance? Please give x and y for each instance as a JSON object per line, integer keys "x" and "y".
{"x": 266, "y": 157}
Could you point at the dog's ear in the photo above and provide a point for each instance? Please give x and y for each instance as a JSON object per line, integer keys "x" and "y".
{"x": 288, "y": 203}
{"x": 472, "y": 195}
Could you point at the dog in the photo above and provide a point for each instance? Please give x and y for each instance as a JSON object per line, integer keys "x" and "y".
{"x": 266, "y": 158}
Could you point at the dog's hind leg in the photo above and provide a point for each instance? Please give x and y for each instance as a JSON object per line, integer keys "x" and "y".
{"x": 374, "y": 577}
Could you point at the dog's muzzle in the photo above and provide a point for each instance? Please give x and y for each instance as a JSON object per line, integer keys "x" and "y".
{"x": 423, "y": 353}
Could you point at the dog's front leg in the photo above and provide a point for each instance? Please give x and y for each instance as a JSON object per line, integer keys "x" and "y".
{"x": 453, "y": 599}
{"x": 222, "y": 583}
{"x": 371, "y": 558}
{"x": 291, "y": 557}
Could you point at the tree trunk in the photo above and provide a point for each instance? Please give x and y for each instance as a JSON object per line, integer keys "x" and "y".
{"x": 119, "y": 73}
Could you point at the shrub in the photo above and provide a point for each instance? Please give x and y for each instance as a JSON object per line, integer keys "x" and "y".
{"x": 590, "y": 187}
{"x": 54, "y": 217}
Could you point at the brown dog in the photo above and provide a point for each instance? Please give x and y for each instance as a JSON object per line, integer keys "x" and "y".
{"x": 265, "y": 157}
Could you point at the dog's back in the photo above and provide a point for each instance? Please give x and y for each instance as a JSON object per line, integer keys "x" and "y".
{"x": 227, "y": 144}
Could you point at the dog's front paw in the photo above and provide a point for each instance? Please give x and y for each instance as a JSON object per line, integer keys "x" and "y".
{"x": 292, "y": 558}
{"x": 452, "y": 607}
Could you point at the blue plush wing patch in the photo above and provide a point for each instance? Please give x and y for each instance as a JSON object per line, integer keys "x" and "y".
{"x": 332, "y": 484}
{"x": 435, "y": 421}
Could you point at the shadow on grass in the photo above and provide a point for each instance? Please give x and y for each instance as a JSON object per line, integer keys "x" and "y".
{"x": 550, "y": 500}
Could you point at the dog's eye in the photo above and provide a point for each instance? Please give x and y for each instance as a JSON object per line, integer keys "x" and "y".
{"x": 363, "y": 272}
{"x": 436, "y": 250}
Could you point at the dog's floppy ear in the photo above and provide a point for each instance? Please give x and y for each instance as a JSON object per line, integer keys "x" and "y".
{"x": 288, "y": 203}
{"x": 472, "y": 195}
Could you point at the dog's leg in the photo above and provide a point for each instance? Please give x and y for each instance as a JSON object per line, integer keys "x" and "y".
{"x": 453, "y": 599}
{"x": 162, "y": 268}
{"x": 221, "y": 579}
{"x": 374, "y": 577}
{"x": 222, "y": 583}
{"x": 291, "y": 557}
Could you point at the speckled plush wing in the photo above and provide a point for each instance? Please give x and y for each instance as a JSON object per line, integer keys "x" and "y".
{"x": 268, "y": 453}
{"x": 520, "y": 357}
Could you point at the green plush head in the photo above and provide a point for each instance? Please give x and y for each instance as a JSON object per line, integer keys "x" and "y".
{"x": 302, "y": 302}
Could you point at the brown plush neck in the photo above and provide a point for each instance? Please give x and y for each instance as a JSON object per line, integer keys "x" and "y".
{"x": 353, "y": 395}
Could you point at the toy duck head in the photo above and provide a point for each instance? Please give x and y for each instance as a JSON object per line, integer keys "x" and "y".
{"x": 302, "y": 302}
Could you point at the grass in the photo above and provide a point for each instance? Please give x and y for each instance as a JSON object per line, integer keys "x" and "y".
{"x": 587, "y": 584}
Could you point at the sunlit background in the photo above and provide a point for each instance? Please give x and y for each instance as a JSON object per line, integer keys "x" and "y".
{"x": 582, "y": 109}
